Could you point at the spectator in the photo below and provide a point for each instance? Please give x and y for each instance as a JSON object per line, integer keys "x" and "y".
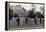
{"x": 18, "y": 21}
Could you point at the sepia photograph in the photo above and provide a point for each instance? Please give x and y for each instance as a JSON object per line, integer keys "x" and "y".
{"x": 24, "y": 15}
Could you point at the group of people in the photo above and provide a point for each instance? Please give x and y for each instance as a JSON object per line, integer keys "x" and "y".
{"x": 21, "y": 21}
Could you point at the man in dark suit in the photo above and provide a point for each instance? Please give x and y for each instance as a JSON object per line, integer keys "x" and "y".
{"x": 18, "y": 21}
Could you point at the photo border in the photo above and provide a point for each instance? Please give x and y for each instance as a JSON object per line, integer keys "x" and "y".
{"x": 6, "y": 2}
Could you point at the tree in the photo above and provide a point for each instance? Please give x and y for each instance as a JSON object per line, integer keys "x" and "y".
{"x": 10, "y": 13}
{"x": 31, "y": 14}
{"x": 15, "y": 15}
{"x": 38, "y": 14}
{"x": 24, "y": 9}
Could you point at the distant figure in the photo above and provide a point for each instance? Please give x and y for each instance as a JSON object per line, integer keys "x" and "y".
{"x": 40, "y": 20}
{"x": 39, "y": 16}
{"x": 26, "y": 20}
{"x": 35, "y": 20}
{"x": 18, "y": 21}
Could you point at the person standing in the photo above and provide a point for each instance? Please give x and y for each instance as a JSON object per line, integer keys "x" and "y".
{"x": 35, "y": 20}
{"x": 18, "y": 21}
{"x": 26, "y": 20}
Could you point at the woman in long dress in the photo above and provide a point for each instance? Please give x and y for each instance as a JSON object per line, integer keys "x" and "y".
{"x": 21, "y": 21}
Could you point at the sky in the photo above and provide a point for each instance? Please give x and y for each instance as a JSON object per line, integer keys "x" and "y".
{"x": 28, "y": 6}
